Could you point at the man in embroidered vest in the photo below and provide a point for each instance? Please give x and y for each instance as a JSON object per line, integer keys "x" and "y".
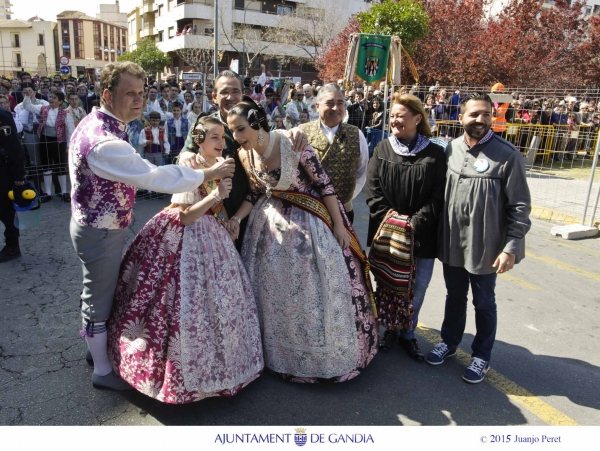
{"x": 342, "y": 148}
{"x": 105, "y": 169}
{"x": 482, "y": 228}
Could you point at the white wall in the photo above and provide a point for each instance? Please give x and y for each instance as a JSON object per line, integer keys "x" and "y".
{"x": 29, "y": 48}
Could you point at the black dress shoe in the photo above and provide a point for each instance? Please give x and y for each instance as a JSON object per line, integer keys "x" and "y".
{"x": 388, "y": 339}
{"x": 412, "y": 348}
{"x": 45, "y": 198}
{"x": 66, "y": 197}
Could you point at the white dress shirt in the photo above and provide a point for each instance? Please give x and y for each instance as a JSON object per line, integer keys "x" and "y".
{"x": 23, "y": 114}
{"x": 363, "y": 162}
{"x": 156, "y": 139}
{"x": 177, "y": 124}
{"x": 51, "y": 119}
{"x": 154, "y": 106}
{"x": 117, "y": 160}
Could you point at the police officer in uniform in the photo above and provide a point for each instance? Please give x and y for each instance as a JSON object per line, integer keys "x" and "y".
{"x": 12, "y": 172}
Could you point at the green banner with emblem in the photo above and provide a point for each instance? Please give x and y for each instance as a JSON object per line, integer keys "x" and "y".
{"x": 373, "y": 55}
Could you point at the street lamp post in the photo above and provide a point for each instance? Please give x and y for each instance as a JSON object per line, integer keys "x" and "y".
{"x": 216, "y": 51}
{"x": 244, "y": 41}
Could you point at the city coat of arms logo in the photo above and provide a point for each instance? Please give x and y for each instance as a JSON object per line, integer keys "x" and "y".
{"x": 300, "y": 437}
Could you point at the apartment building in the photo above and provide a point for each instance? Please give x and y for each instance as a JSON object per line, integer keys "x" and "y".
{"x": 27, "y": 45}
{"x": 589, "y": 9}
{"x": 164, "y": 21}
{"x": 111, "y": 12}
{"x": 90, "y": 43}
{"x": 5, "y": 11}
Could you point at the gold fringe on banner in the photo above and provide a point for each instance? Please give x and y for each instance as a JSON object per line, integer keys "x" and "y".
{"x": 396, "y": 60}
{"x": 413, "y": 69}
{"x": 351, "y": 59}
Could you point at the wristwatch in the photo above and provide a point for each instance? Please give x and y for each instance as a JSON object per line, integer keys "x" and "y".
{"x": 237, "y": 219}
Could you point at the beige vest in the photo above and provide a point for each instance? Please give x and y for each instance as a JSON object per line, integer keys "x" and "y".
{"x": 339, "y": 159}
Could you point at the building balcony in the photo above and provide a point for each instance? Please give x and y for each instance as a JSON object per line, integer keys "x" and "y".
{"x": 148, "y": 31}
{"x": 185, "y": 41}
{"x": 194, "y": 11}
{"x": 252, "y": 17}
{"x": 147, "y": 8}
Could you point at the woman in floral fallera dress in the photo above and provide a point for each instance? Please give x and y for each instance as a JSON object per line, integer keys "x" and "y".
{"x": 303, "y": 258}
{"x": 184, "y": 324}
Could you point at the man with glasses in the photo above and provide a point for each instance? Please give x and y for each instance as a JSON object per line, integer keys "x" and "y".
{"x": 207, "y": 106}
{"x": 272, "y": 106}
{"x": 227, "y": 93}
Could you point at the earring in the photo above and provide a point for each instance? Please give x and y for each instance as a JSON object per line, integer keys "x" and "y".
{"x": 261, "y": 138}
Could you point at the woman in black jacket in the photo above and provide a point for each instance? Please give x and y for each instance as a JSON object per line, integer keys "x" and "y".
{"x": 407, "y": 174}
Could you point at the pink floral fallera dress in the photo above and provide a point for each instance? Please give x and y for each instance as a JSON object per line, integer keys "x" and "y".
{"x": 184, "y": 324}
{"x": 314, "y": 307}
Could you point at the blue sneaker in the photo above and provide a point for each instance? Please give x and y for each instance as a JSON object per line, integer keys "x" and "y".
{"x": 476, "y": 371}
{"x": 440, "y": 353}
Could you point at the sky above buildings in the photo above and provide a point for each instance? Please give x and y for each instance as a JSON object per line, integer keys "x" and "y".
{"x": 47, "y": 10}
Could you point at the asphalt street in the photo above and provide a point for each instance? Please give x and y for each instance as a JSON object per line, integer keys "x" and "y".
{"x": 545, "y": 361}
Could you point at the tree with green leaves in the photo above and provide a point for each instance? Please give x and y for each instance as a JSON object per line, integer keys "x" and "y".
{"x": 148, "y": 56}
{"x": 406, "y": 19}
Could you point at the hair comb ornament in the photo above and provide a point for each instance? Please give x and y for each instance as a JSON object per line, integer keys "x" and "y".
{"x": 254, "y": 119}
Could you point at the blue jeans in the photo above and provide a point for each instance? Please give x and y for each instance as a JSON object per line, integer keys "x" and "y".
{"x": 424, "y": 273}
{"x": 455, "y": 314}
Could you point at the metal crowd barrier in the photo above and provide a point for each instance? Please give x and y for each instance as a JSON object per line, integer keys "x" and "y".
{"x": 546, "y": 141}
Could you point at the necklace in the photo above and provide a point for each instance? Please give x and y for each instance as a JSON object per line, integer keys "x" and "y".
{"x": 267, "y": 153}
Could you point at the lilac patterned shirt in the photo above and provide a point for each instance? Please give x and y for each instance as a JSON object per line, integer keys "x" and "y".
{"x": 96, "y": 201}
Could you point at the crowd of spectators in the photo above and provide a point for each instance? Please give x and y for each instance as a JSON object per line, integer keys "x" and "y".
{"x": 178, "y": 105}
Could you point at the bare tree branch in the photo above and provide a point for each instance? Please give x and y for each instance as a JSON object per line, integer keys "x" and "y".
{"x": 307, "y": 29}
{"x": 246, "y": 40}
{"x": 200, "y": 59}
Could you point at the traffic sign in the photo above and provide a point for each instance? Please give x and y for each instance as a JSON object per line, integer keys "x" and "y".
{"x": 191, "y": 76}
{"x": 64, "y": 60}
{"x": 65, "y": 70}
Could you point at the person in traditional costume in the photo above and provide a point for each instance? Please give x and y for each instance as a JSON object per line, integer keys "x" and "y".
{"x": 307, "y": 269}
{"x": 104, "y": 170}
{"x": 341, "y": 148}
{"x": 176, "y": 128}
{"x": 405, "y": 192}
{"x": 227, "y": 93}
{"x": 184, "y": 324}
{"x": 54, "y": 131}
